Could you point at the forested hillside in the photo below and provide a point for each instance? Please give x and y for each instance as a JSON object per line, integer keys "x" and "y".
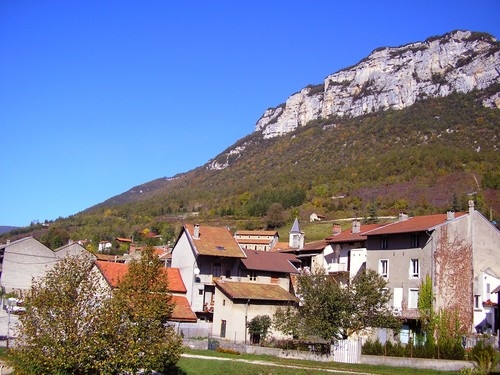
{"x": 430, "y": 157}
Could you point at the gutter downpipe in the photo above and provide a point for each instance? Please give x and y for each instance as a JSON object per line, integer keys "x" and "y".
{"x": 246, "y": 319}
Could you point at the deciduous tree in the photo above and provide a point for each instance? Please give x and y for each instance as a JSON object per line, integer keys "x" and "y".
{"x": 75, "y": 325}
{"x": 332, "y": 311}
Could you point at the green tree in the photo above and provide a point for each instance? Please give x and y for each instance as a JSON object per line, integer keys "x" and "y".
{"x": 258, "y": 327}
{"x": 334, "y": 311}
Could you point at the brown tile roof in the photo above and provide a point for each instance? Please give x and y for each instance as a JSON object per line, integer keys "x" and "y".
{"x": 214, "y": 241}
{"x": 270, "y": 261}
{"x": 254, "y": 291}
{"x": 246, "y": 241}
{"x": 114, "y": 272}
{"x": 282, "y": 246}
{"x": 121, "y": 239}
{"x": 109, "y": 258}
{"x": 315, "y": 246}
{"x": 310, "y": 247}
{"x": 348, "y": 236}
{"x": 256, "y": 233}
{"x": 413, "y": 224}
{"x": 182, "y": 310}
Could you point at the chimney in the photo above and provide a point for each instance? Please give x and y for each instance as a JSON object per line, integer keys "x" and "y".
{"x": 450, "y": 215}
{"x": 356, "y": 226}
{"x": 336, "y": 229}
{"x": 403, "y": 216}
{"x": 471, "y": 207}
{"x": 196, "y": 234}
{"x": 8, "y": 242}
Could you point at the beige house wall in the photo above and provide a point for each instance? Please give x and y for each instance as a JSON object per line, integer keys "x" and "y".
{"x": 237, "y": 314}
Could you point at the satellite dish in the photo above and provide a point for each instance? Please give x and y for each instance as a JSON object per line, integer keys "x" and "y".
{"x": 196, "y": 271}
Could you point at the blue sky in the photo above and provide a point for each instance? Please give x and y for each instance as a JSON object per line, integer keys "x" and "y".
{"x": 97, "y": 97}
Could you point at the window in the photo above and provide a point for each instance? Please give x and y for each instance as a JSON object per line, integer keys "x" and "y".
{"x": 216, "y": 269}
{"x": 223, "y": 328}
{"x": 414, "y": 240}
{"x": 477, "y": 299}
{"x": 200, "y": 292}
{"x": 384, "y": 242}
{"x": 253, "y": 276}
{"x": 383, "y": 267}
{"x": 413, "y": 298}
{"x": 414, "y": 268}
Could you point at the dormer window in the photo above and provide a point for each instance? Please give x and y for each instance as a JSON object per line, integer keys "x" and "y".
{"x": 220, "y": 248}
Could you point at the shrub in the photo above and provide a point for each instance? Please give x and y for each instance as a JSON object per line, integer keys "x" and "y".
{"x": 228, "y": 351}
{"x": 372, "y": 348}
{"x": 486, "y": 358}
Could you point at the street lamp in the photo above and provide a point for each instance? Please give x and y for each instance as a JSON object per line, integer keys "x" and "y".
{"x": 11, "y": 302}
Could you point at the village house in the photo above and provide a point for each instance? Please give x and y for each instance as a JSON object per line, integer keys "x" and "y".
{"x": 113, "y": 272}
{"x": 263, "y": 285}
{"x": 345, "y": 254}
{"x": 26, "y": 259}
{"x": 263, "y": 240}
{"x": 204, "y": 254}
{"x": 237, "y": 303}
{"x": 454, "y": 249}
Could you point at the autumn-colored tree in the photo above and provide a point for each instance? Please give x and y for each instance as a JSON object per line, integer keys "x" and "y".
{"x": 75, "y": 325}
{"x": 143, "y": 300}
{"x": 65, "y": 329}
{"x": 275, "y": 217}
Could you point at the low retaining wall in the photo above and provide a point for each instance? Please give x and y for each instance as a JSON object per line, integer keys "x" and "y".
{"x": 421, "y": 363}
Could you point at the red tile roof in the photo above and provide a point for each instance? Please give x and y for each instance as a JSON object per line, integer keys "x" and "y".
{"x": 214, "y": 241}
{"x": 255, "y": 291}
{"x": 348, "y": 236}
{"x": 182, "y": 310}
{"x": 114, "y": 272}
{"x": 413, "y": 224}
{"x": 270, "y": 261}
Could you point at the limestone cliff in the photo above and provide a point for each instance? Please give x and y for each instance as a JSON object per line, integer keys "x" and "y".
{"x": 394, "y": 78}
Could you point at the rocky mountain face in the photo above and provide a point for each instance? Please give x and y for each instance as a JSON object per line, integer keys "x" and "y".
{"x": 392, "y": 78}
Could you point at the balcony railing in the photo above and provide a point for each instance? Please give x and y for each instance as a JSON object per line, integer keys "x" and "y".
{"x": 337, "y": 267}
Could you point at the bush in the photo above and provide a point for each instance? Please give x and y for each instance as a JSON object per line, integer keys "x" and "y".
{"x": 228, "y": 351}
{"x": 486, "y": 358}
{"x": 372, "y": 348}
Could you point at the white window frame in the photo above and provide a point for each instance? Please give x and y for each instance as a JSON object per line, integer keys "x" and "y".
{"x": 414, "y": 268}
{"x": 413, "y": 302}
{"x": 383, "y": 271}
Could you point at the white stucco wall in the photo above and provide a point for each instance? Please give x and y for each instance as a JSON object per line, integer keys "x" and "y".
{"x": 234, "y": 314}
{"x": 24, "y": 260}
{"x": 184, "y": 259}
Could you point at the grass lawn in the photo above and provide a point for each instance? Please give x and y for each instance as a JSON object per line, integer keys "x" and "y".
{"x": 233, "y": 364}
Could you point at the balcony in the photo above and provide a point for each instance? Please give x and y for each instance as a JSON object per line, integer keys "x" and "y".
{"x": 337, "y": 267}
